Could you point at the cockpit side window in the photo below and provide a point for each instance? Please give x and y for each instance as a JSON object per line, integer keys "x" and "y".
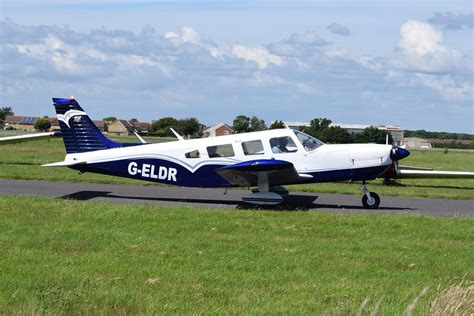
{"x": 309, "y": 142}
{"x": 192, "y": 154}
{"x": 283, "y": 145}
{"x": 253, "y": 147}
{"x": 220, "y": 151}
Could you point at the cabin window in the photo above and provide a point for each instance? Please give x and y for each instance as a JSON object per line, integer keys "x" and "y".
{"x": 283, "y": 145}
{"x": 192, "y": 154}
{"x": 253, "y": 147}
{"x": 309, "y": 142}
{"x": 220, "y": 151}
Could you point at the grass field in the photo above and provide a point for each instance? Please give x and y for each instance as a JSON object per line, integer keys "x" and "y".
{"x": 97, "y": 258}
{"x": 23, "y": 161}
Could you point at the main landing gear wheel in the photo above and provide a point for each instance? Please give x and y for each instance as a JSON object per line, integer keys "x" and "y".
{"x": 370, "y": 200}
{"x": 371, "y": 203}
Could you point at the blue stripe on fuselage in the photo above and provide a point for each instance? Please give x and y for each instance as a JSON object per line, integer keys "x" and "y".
{"x": 167, "y": 172}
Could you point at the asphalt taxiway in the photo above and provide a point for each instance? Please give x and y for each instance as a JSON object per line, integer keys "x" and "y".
{"x": 216, "y": 198}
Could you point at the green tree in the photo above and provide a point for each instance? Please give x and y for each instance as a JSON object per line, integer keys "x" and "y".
{"x": 189, "y": 127}
{"x": 257, "y": 124}
{"x": 4, "y": 111}
{"x": 373, "y": 135}
{"x": 337, "y": 135}
{"x": 134, "y": 120}
{"x": 42, "y": 124}
{"x": 109, "y": 119}
{"x": 277, "y": 124}
{"x": 321, "y": 128}
{"x": 241, "y": 124}
{"x": 161, "y": 127}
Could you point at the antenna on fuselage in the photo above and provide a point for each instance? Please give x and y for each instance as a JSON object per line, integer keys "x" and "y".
{"x": 179, "y": 137}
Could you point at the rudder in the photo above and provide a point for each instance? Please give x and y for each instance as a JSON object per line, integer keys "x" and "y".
{"x": 79, "y": 132}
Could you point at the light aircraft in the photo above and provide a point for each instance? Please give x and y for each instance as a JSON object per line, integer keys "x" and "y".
{"x": 266, "y": 160}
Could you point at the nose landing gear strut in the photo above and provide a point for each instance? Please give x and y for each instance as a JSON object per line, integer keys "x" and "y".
{"x": 370, "y": 200}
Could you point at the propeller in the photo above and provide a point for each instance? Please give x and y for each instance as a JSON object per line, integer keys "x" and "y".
{"x": 396, "y": 154}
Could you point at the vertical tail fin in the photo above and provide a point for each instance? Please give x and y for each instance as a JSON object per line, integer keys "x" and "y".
{"x": 79, "y": 132}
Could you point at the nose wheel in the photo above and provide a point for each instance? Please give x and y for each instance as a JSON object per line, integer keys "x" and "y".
{"x": 370, "y": 200}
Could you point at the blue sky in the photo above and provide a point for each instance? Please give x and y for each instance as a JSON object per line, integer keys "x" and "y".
{"x": 380, "y": 62}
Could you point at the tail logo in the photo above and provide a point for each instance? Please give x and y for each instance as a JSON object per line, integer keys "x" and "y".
{"x": 69, "y": 115}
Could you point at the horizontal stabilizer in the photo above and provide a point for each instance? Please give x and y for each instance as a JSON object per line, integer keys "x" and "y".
{"x": 27, "y": 137}
{"x": 64, "y": 164}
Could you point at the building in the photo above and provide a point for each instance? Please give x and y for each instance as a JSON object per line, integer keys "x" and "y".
{"x": 395, "y": 131}
{"x": 141, "y": 127}
{"x": 21, "y": 123}
{"x": 120, "y": 127}
{"x": 415, "y": 142}
{"x": 55, "y": 124}
{"x": 100, "y": 125}
{"x": 218, "y": 130}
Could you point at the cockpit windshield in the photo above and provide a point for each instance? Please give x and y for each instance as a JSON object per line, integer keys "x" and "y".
{"x": 309, "y": 142}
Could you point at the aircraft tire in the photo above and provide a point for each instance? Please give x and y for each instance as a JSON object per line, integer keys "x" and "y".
{"x": 375, "y": 205}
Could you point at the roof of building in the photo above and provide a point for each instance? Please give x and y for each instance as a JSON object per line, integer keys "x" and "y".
{"x": 142, "y": 125}
{"x": 25, "y": 120}
{"x": 347, "y": 126}
{"x": 213, "y": 128}
{"x": 54, "y": 121}
{"x": 99, "y": 124}
{"x": 352, "y": 126}
{"x": 295, "y": 123}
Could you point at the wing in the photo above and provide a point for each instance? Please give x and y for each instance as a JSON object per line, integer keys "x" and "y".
{"x": 246, "y": 173}
{"x": 27, "y": 137}
{"x": 410, "y": 172}
{"x": 431, "y": 174}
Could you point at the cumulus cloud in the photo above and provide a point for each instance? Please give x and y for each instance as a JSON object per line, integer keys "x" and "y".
{"x": 256, "y": 54}
{"x": 181, "y": 73}
{"x": 421, "y": 49}
{"x": 450, "y": 20}
{"x": 448, "y": 88}
{"x": 300, "y": 45}
{"x": 339, "y": 29}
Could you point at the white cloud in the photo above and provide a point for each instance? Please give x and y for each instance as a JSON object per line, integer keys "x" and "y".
{"x": 374, "y": 64}
{"x": 448, "y": 88}
{"x": 259, "y": 55}
{"x": 421, "y": 49}
{"x": 180, "y": 73}
{"x": 339, "y": 29}
{"x": 169, "y": 35}
{"x": 308, "y": 38}
{"x": 420, "y": 38}
{"x": 450, "y": 20}
{"x": 188, "y": 34}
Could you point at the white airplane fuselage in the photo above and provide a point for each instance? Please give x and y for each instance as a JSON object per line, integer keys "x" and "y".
{"x": 167, "y": 162}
